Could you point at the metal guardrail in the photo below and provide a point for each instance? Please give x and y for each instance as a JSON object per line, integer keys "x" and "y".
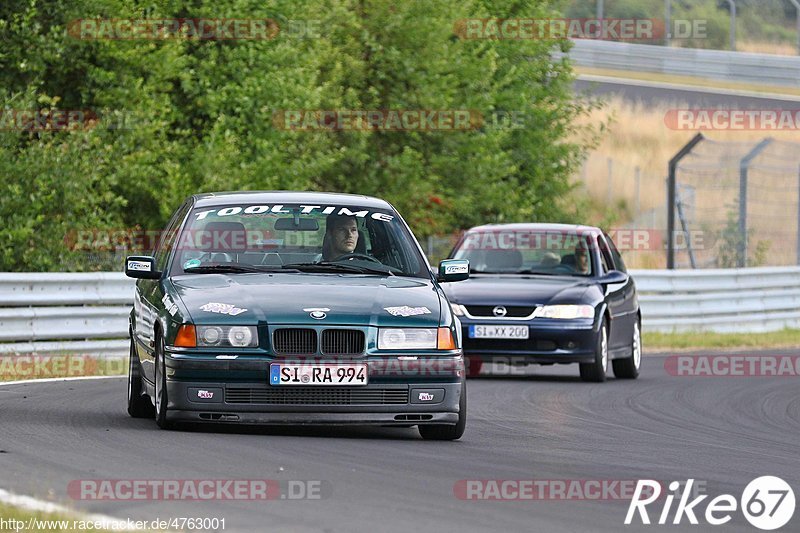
{"x": 722, "y": 300}
{"x": 53, "y": 312}
{"x": 86, "y": 313}
{"x": 745, "y": 67}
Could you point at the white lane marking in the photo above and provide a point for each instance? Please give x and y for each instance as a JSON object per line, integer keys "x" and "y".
{"x": 30, "y": 503}
{"x": 688, "y": 88}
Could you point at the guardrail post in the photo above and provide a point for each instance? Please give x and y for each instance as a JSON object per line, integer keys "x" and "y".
{"x": 671, "y": 194}
{"x": 744, "y": 166}
{"x": 796, "y": 4}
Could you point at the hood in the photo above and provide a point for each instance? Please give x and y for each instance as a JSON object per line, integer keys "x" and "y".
{"x": 517, "y": 290}
{"x": 352, "y": 300}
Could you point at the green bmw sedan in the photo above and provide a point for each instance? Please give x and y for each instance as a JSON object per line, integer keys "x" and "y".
{"x": 294, "y": 308}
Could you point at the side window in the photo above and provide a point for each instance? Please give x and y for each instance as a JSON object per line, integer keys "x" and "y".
{"x": 168, "y": 237}
{"x": 605, "y": 258}
{"x": 618, "y": 262}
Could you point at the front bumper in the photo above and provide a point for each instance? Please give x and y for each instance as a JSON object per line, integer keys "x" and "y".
{"x": 549, "y": 341}
{"x": 400, "y": 392}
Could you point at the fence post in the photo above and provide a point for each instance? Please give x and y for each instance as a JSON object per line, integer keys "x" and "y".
{"x": 796, "y": 4}
{"x": 744, "y": 166}
{"x": 667, "y": 21}
{"x": 671, "y": 186}
{"x": 610, "y": 180}
{"x": 732, "y": 3}
{"x": 600, "y": 13}
{"x": 798, "y": 214}
{"x": 637, "y": 178}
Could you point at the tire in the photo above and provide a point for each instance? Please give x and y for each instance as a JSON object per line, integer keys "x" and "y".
{"x": 628, "y": 368}
{"x": 474, "y": 365}
{"x": 448, "y": 431}
{"x": 161, "y": 386}
{"x": 139, "y": 406}
{"x": 596, "y": 371}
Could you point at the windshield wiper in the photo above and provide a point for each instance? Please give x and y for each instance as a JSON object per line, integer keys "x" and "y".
{"x": 231, "y": 268}
{"x": 512, "y": 272}
{"x": 549, "y": 273}
{"x": 330, "y": 266}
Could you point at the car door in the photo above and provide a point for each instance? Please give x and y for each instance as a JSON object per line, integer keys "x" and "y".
{"x": 147, "y": 300}
{"x": 622, "y": 296}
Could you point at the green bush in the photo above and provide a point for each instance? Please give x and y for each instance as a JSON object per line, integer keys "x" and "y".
{"x": 197, "y": 116}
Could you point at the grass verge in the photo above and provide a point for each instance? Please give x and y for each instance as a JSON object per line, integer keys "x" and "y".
{"x": 688, "y": 80}
{"x": 785, "y": 338}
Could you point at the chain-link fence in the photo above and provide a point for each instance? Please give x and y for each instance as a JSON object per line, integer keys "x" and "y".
{"x": 737, "y": 204}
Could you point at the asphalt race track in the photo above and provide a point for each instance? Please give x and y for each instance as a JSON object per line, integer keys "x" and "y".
{"x": 548, "y": 425}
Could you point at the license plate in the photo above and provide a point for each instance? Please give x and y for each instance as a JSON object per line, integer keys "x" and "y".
{"x": 317, "y": 374}
{"x": 498, "y": 332}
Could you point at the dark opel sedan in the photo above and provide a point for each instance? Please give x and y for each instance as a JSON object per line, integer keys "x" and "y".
{"x": 294, "y": 308}
{"x": 545, "y": 294}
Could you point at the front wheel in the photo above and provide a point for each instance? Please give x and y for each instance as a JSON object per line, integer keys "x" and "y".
{"x": 628, "y": 368}
{"x": 596, "y": 371}
{"x": 161, "y": 386}
{"x": 447, "y": 431}
{"x": 139, "y": 406}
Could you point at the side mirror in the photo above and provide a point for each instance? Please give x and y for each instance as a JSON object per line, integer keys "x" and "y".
{"x": 612, "y": 277}
{"x": 141, "y": 267}
{"x": 453, "y": 270}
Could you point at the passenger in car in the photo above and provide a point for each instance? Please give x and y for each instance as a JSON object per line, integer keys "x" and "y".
{"x": 581, "y": 260}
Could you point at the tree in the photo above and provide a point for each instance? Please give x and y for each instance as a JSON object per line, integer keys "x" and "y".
{"x": 191, "y": 115}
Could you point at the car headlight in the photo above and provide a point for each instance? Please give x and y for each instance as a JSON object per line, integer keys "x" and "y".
{"x": 458, "y": 310}
{"x": 565, "y": 311}
{"x": 407, "y": 339}
{"x": 227, "y": 336}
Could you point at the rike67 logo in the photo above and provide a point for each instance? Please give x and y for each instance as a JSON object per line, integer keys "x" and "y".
{"x": 767, "y": 502}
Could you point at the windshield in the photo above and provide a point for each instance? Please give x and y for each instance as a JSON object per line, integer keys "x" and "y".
{"x": 298, "y": 238}
{"x": 557, "y": 253}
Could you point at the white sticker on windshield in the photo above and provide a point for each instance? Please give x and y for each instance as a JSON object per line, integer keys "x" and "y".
{"x": 407, "y": 311}
{"x": 305, "y": 210}
{"x": 223, "y": 309}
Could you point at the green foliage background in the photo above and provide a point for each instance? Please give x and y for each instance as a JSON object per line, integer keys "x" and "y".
{"x": 197, "y": 116}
